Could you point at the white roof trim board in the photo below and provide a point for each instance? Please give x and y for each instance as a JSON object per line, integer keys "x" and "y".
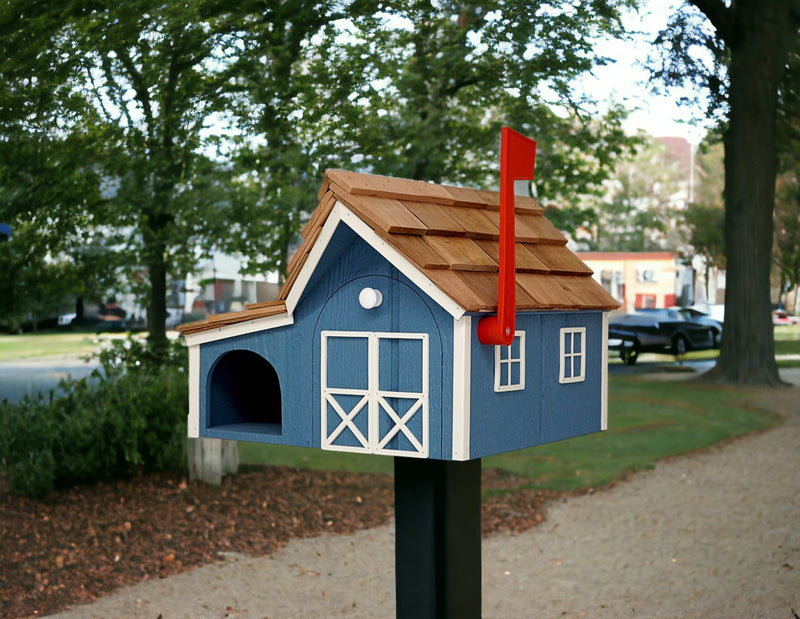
{"x": 241, "y": 328}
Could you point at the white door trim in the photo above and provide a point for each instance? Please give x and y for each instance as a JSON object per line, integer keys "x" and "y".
{"x": 376, "y": 400}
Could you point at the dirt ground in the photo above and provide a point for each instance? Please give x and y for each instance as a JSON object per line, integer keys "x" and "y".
{"x": 716, "y": 534}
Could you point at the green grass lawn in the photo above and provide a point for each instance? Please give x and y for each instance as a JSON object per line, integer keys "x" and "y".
{"x": 46, "y": 343}
{"x": 648, "y": 421}
{"x": 787, "y": 333}
{"x": 76, "y": 341}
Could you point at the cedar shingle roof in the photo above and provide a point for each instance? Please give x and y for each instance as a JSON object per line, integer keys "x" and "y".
{"x": 451, "y": 235}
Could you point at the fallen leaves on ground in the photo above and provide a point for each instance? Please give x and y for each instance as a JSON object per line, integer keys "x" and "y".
{"x": 79, "y": 544}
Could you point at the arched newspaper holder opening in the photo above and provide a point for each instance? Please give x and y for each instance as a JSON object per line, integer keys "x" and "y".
{"x": 245, "y": 394}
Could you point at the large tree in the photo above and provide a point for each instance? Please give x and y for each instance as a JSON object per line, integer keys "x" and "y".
{"x": 750, "y": 43}
{"x": 117, "y": 96}
{"x": 445, "y": 76}
{"x": 293, "y": 80}
{"x": 205, "y": 124}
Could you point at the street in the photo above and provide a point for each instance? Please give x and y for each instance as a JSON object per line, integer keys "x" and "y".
{"x": 21, "y": 377}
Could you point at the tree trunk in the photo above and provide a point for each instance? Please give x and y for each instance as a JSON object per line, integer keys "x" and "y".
{"x": 157, "y": 307}
{"x": 747, "y": 354}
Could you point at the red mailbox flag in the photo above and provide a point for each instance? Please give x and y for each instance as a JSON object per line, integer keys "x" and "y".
{"x": 517, "y": 157}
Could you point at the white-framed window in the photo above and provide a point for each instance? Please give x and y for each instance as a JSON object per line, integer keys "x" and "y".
{"x": 509, "y": 364}
{"x": 572, "y": 356}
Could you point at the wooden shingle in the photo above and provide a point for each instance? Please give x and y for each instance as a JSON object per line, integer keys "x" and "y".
{"x": 474, "y": 222}
{"x": 526, "y": 260}
{"x": 435, "y": 218}
{"x": 462, "y": 254}
{"x": 560, "y": 260}
{"x": 320, "y": 214}
{"x": 387, "y": 214}
{"x": 419, "y": 251}
{"x": 473, "y": 198}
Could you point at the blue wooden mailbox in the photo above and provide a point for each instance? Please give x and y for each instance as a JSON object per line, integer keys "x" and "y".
{"x": 373, "y": 344}
{"x": 438, "y": 324}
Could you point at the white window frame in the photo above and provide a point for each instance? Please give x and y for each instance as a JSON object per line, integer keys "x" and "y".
{"x": 567, "y": 355}
{"x": 503, "y": 365}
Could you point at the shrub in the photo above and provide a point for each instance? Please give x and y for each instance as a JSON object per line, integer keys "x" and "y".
{"x": 128, "y": 416}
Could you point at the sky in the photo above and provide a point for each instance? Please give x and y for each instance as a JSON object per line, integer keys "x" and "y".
{"x": 625, "y": 80}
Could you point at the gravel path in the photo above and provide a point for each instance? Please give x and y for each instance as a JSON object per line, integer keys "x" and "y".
{"x": 711, "y": 535}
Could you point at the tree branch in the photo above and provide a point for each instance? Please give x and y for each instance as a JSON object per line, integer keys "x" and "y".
{"x": 115, "y": 88}
{"x": 139, "y": 85}
{"x": 98, "y": 95}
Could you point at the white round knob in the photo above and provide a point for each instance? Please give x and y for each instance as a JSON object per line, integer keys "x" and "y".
{"x": 370, "y": 298}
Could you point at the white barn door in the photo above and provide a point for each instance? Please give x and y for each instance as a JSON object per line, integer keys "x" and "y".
{"x": 374, "y": 392}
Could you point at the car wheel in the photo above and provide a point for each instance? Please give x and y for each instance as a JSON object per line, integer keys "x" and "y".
{"x": 630, "y": 357}
{"x": 679, "y": 346}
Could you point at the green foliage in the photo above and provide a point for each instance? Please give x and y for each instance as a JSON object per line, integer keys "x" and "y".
{"x": 692, "y": 57}
{"x": 36, "y": 286}
{"x": 129, "y": 416}
{"x": 706, "y": 225}
{"x": 705, "y": 216}
{"x": 445, "y": 77}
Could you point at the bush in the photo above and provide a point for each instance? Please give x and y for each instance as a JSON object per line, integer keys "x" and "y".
{"x": 128, "y": 416}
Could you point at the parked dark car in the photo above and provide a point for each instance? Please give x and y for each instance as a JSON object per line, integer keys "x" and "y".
{"x": 692, "y": 315}
{"x": 665, "y": 331}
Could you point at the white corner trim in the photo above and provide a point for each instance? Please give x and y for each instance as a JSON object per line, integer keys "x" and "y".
{"x": 396, "y": 259}
{"x": 240, "y": 328}
{"x": 194, "y": 392}
{"x": 462, "y": 335}
{"x": 604, "y": 377}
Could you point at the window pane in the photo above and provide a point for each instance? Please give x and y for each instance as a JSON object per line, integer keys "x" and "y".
{"x": 514, "y": 371}
{"x": 400, "y": 364}
{"x": 347, "y": 362}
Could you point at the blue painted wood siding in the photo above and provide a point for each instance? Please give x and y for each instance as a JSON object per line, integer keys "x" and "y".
{"x": 546, "y": 410}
